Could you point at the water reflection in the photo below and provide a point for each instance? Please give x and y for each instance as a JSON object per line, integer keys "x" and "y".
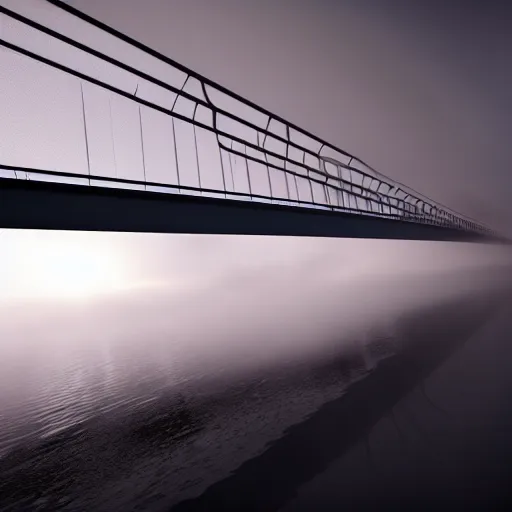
{"x": 149, "y": 400}
{"x": 155, "y": 419}
{"x": 269, "y": 480}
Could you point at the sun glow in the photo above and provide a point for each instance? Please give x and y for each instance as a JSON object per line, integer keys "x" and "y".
{"x": 61, "y": 265}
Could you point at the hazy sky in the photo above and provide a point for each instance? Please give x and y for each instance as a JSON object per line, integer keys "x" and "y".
{"x": 420, "y": 90}
{"x": 392, "y": 84}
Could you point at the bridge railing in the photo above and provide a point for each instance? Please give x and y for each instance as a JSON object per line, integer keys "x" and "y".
{"x": 122, "y": 115}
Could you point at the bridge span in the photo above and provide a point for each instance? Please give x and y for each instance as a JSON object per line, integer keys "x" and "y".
{"x": 102, "y": 133}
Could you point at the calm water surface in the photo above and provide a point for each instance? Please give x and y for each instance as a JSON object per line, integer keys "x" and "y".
{"x": 105, "y": 427}
{"x": 108, "y": 432}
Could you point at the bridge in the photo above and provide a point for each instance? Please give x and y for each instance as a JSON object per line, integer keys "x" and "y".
{"x": 144, "y": 144}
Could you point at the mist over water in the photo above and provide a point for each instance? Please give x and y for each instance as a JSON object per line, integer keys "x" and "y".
{"x": 265, "y": 333}
{"x": 231, "y": 312}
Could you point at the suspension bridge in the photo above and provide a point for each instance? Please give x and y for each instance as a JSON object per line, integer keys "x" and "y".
{"x": 129, "y": 140}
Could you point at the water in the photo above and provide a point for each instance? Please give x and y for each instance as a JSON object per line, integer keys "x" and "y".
{"x": 108, "y": 425}
{"x": 107, "y": 432}
{"x": 444, "y": 444}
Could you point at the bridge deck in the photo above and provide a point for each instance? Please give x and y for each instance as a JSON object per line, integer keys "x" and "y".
{"x": 42, "y": 205}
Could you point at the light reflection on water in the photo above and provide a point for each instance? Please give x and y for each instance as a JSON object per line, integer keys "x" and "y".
{"x": 108, "y": 425}
{"x": 104, "y": 413}
{"x": 87, "y": 384}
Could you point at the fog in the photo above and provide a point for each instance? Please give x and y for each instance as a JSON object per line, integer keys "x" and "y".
{"x": 197, "y": 307}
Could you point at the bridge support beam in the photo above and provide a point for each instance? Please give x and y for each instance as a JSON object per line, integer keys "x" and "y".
{"x": 43, "y": 205}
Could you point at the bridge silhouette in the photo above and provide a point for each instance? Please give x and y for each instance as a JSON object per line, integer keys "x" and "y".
{"x": 158, "y": 148}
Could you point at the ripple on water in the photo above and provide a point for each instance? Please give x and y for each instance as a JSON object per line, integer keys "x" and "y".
{"x": 100, "y": 419}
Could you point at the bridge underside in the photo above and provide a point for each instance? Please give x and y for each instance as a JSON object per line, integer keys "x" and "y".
{"x": 43, "y": 205}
